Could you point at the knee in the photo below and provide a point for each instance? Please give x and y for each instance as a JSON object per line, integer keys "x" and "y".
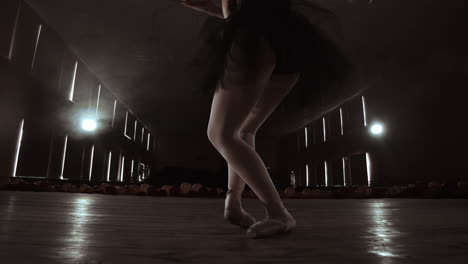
{"x": 220, "y": 137}
{"x": 247, "y": 134}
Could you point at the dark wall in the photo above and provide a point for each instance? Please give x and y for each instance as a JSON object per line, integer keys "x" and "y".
{"x": 421, "y": 100}
{"x": 38, "y": 73}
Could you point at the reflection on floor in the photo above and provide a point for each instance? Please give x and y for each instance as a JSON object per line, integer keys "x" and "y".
{"x": 93, "y": 228}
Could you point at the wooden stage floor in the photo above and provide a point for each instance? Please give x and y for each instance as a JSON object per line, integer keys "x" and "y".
{"x": 94, "y": 228}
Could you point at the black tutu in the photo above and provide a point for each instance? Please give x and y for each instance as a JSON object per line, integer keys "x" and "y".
{"x": 299, "y": 46}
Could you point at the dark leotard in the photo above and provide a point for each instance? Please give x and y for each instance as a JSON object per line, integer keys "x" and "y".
{"x": 298, "y": 45}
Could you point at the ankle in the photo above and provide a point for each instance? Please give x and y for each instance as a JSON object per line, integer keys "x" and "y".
{"x": 234, "y": 194}
{"x": 277, "y": 211}
{"x": 233, "y": 199}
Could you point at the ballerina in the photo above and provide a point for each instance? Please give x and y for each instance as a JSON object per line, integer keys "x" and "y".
{"x": 255, "y": 59}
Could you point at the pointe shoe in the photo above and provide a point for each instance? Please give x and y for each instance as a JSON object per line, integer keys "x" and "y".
{"x": 270, "y": 227}
{"x": 242, "y": 219}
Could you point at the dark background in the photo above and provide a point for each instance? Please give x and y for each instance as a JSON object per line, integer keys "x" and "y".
{"x": 411, "y": 58}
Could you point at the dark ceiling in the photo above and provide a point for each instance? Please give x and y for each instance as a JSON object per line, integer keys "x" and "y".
{"x": 142, "y": 49}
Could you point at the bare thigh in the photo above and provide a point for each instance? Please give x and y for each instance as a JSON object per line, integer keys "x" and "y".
{"x": 275, "y": 91}
{"x": 241, "y": 90}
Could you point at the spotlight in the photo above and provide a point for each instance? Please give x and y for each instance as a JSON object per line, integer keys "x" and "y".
{"x": 377, "y": 129}
{"x": 88, "y": 125}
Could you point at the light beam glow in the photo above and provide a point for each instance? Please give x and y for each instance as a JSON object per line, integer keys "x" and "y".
{"x": 377, "y": 129}
{"x": 326, "y": 173}
{"x": 89, "y": 125}
{"x": 18, "y": 147}
{"x": 72, "y": 85}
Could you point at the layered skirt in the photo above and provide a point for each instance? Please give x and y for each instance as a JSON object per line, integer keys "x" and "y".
{"x": 299, "y": 46}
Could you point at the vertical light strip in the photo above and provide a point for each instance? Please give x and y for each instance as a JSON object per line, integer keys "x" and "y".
{"x": 306, "y": 137}
{"x": 131, "y": 169}
{"x": 341, "y": 120}
{"x": 98, "y": 98}
{"x": 148, "y": 143}
{"x": 135, "y": 130}
{"x": 344, "y": 171}
{"x": 307, "y": 174}
{"x": 142, "y": 135}
{"x": 72, "y": 87}
{"x": 326, "y": 173}
{"x": 113, "y": 113}
{"x": 18, "y": 147}
{"x": 122, "y": 169}
{"x": 125, "y": 128}
{"x": 324, "y": 130}
{"x": 15, "y": 29}
{"x": 364, "y": 110}
{"x": 63, "y": 157}
{"x": 368, "y": 166}
{"x": 109, "y": 162}
{"x": 91, "y": 163}
{"x": 36, "y": 45}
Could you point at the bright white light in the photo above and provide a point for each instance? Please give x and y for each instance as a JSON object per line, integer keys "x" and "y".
{"x": 148, "y": 142}
{"x": 63, "y": 157}
{"x": 369, "y": 168}
{"x": 326, "y": 173}
{"x": 91, "y": 163}
{"x": 306, "y": 136}
{"x": 344, "y": 171}
{"x": 72, "y": 86}
{"x": 377, "y": 129}
{"x": 324, "y": 130}
{"x": 364, "y": 110}
{"x": 122, "y": 169}
{"x": 113, "y": 113}
{"x": 18, "y": 147}
{"x": 98, "y": 99}
{"x": 109, "y": 162}
{"x": 89, "y": 124}
{"x": 37, "y": 44}
{"x": 341, "y": 121}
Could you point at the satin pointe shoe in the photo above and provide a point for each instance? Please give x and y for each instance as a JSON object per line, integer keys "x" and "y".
{"x": 241, "y": 218}
{"x": 237, "y": 215}
{"x": 270, "y": 227}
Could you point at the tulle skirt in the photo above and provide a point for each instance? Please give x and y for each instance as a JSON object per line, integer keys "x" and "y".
{"x": 299, "y": 46}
